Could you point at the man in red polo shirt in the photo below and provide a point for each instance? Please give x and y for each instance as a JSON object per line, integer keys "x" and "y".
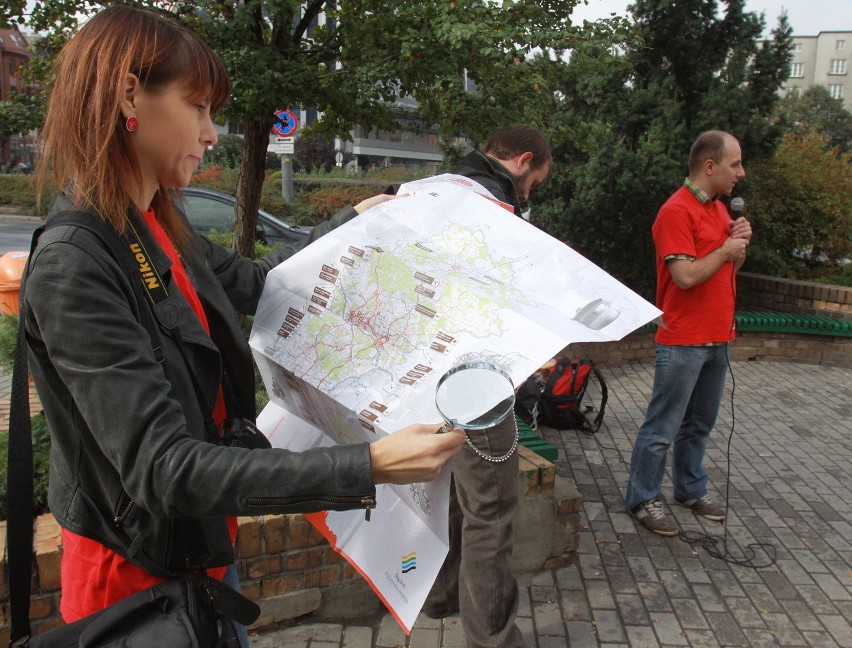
{"x": 699, "y": 249}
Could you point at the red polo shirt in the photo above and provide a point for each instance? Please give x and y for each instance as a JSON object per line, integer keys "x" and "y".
{"x": 703, "y": 313}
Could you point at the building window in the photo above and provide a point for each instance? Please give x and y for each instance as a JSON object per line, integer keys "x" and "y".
{"x": 797, "y": 47}
{"x": 797, "y": 70}
{"x": 836, "y": 91}
{"x": 840, "y": 45}
{"x": 838, "y": 66}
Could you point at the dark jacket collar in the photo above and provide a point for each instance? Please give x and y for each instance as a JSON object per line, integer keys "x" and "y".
{"x": 492, "y": 175}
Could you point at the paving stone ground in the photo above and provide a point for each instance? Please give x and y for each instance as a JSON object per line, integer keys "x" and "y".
{"x": 789, "y": 459}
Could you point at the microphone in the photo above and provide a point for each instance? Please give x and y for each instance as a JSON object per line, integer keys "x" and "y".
{"x": 737, "y": 207}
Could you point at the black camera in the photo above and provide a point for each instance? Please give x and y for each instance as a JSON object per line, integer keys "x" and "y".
{"x": 242, "y": 433}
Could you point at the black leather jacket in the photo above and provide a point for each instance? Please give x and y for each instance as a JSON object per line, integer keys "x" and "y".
{"x": 492, "y": 175}
{"x": 129, "y": 461}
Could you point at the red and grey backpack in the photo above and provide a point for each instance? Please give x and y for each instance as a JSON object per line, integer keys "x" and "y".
{"x": 554, "y": 397}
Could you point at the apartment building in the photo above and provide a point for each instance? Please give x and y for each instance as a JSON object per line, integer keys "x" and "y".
{"x": 824, "y": 60}
{"x": 410, "y": 145}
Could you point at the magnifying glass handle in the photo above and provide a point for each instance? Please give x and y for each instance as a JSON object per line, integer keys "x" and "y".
{"x": 446, "y": 427}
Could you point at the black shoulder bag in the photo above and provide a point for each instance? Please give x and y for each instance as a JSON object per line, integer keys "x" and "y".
{"x": 187, "y": 610}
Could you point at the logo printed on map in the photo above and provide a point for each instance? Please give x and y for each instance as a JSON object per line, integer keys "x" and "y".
{"x": 409, "y": 562}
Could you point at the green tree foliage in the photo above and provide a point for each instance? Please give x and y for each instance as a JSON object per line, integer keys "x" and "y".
{"x": 41, "y": 436}
{"x": 723, "y": 77}
{"x": 815, "y": 108}
{"x": 314, "y": 154}
{"x": 12, "y": 13}
{"x": 353, "y": 64}
{"x": 800, "y": 204}
{"x": 8, "y": 341}
{"x": 24, "y": 111}
{"x": 625, "y": 118}
{"x": 227, "y": 152}
{"x": 20, "y": 113}
{"x": 41, "y": 465}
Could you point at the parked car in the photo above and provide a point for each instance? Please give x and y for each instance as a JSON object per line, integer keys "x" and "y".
{"x": 208, "y": 210}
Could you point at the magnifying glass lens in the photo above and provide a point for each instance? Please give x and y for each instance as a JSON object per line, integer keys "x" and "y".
{"x": 474, "y": 395}
{"x": 494, "y": 415}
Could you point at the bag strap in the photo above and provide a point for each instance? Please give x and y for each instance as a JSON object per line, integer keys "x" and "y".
{"x": 19, "y": 489}
{"x": 604, "y": 396}
{"x": 575, "y": 374}
{"x": 130, "y": 253}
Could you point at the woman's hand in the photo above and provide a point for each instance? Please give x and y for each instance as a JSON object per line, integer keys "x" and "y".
{"x": 413, "y": 454}
{"x": 364, "y": 205}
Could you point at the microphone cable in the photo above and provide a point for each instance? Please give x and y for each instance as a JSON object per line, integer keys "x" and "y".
{"x": 716, "y": 545}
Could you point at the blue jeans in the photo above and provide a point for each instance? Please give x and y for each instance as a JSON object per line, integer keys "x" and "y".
{"x": 232, "y": 580}
{"x": 688, "y": 386}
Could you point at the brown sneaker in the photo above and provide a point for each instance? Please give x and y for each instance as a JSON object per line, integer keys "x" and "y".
{"x": 703, "y": 506}
{"x": 651, "y": 515}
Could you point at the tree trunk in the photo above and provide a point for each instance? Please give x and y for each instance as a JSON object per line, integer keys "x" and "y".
{"x": 249, "y": 184}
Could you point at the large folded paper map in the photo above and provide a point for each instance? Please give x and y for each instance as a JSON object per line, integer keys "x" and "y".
{"x": 353, "y": 333}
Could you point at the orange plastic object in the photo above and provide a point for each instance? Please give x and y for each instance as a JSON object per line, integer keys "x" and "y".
{"x": 11, "y": 270}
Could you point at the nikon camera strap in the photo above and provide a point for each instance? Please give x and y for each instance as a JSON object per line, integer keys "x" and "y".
{"x": 130, "y": 252}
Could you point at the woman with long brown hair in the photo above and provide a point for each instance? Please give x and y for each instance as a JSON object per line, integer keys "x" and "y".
{"x": 130, "y": 411}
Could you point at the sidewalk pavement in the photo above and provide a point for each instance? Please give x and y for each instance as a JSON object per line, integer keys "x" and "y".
{"x": 790, "y": 487}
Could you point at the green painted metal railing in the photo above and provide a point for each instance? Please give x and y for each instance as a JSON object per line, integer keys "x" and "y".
{"x": 532, "y": 441}
{"x": 778, "y": 322}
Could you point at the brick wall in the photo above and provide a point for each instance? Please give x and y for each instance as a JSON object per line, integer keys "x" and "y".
{"x": 749, "y": 345}
{"x": 791, "y": 296}
{"x": 283, "y": 562}
{"x": 281, "y": 558}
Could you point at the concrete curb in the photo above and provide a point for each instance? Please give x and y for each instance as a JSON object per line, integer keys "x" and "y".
{"x": 12, "y": 212}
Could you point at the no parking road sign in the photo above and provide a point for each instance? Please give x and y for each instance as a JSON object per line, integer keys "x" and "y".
{"x": 287, "y": 123}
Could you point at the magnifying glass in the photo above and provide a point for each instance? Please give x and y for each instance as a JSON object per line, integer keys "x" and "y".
{"x": 474, "y": 396}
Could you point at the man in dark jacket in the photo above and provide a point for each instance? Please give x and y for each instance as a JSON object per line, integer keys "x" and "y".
{"x": 516, "y": 160}
{"x": 476, "y": 578}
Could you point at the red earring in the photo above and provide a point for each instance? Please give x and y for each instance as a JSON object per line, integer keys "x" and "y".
{"x": 131, "y": 124}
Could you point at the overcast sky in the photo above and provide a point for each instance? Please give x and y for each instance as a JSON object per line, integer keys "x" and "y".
{"x": 807, "y": 17}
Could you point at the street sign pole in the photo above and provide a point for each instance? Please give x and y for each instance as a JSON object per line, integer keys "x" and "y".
{"x": 285, "y": 127}
{"x": 287, "y": 178}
